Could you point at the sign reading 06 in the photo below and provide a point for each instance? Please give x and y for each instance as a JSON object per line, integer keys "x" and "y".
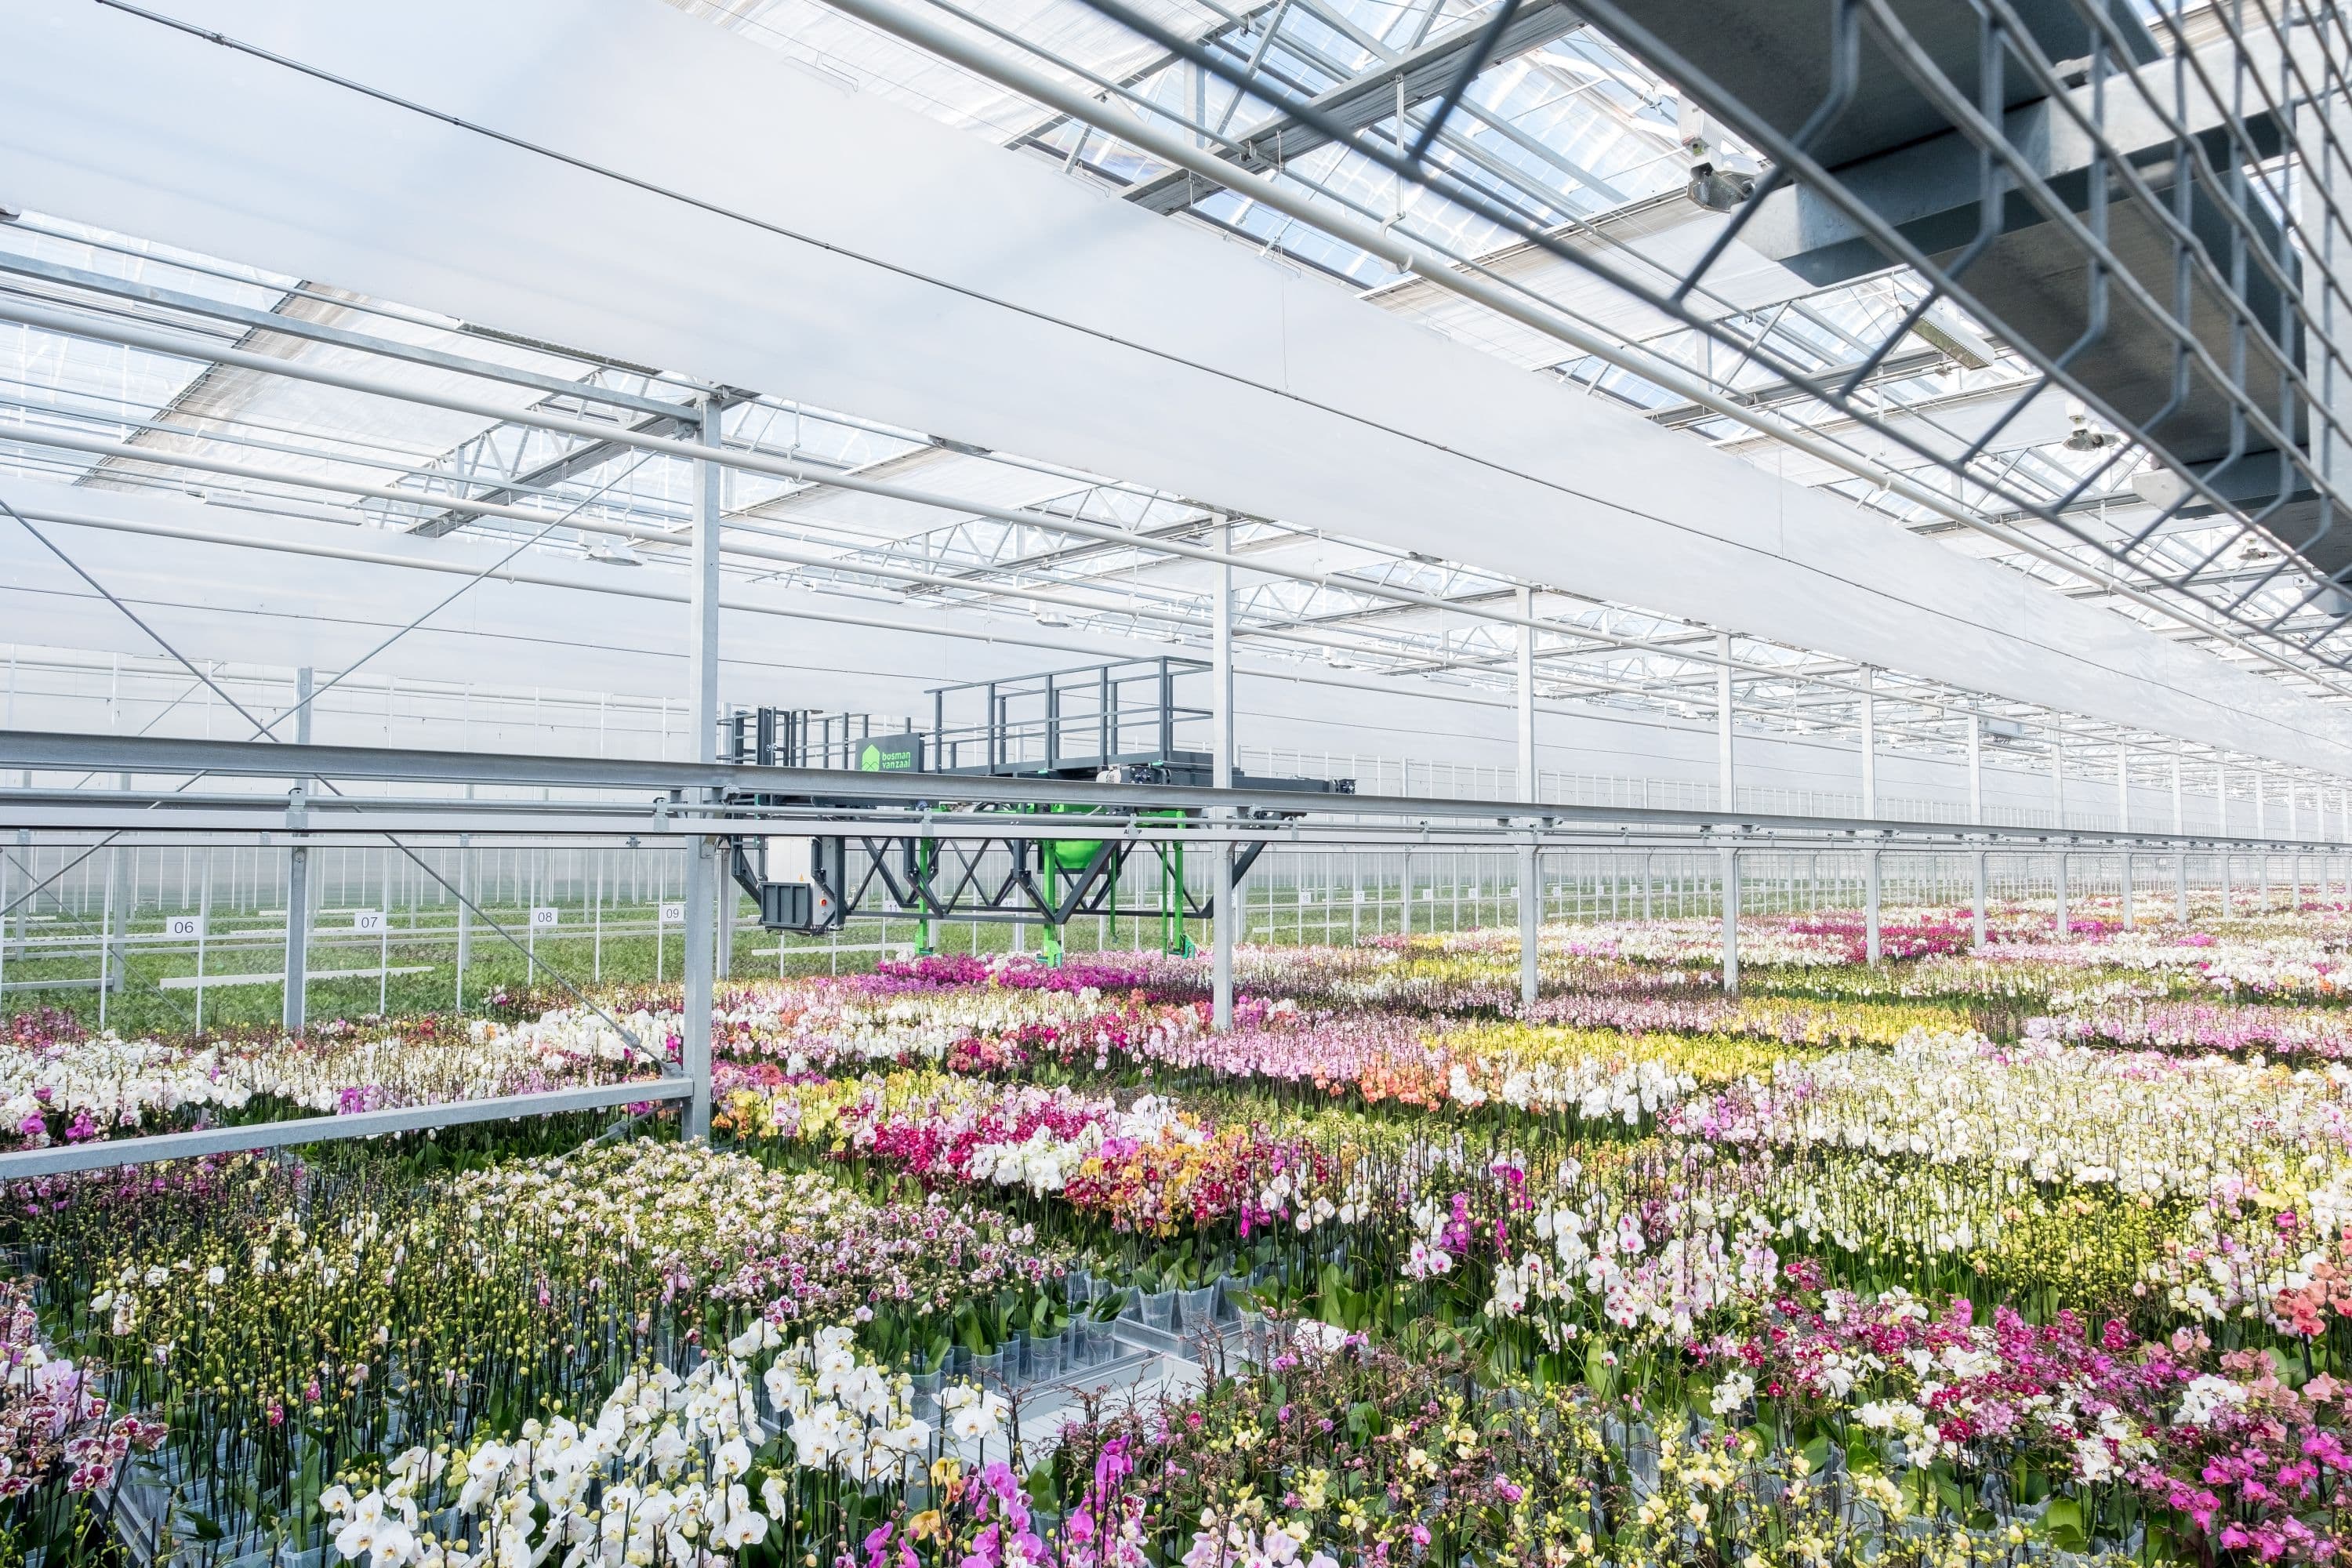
{"x": 890, "y": 754}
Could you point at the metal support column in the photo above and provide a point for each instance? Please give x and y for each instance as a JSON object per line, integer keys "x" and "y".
{"x": 2222, "y": 805}
{"x": 2060, "y": 925}
{"x": 1871, "y": 946}
{"x": 2294, "y": 857}
{"x": 1530, "y": 922}
{"x": 1730, "y": 921}
{"x": 702, "y": 873}
{"x": 1220, "y": 774}
{"x": 1976, "y": 767}
{"x": 31, "y": 895}
{"x": 2179, "y": 861}
{"x": 2294, "y": 860}
{"x": 106, "y": 932}
{"x": 203, "y": 932}
{"x": 2262, "y": 830}
{"x": 465, "y": 911}
{"x": 294, "y": 1013}
{"x": 1869, "y": 743}
{"x": 2123, "y": 823}
{"x": 1728, "y": 782}
{"x": 1530, "y": 869}
{"x": 118, "y": 915}
{"x": 1978, "y": 932}
{"x": 703, "y": 870}
{"x": 723, "y": 949}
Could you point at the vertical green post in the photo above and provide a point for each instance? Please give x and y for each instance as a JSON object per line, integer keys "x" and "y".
{"x": 927, "y": 859}
{"x": 1053, "y": 953}
{"x": 1172, "y": 939}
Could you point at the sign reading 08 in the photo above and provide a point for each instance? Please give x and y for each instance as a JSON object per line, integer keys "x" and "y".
{"x": 890, "y": 754}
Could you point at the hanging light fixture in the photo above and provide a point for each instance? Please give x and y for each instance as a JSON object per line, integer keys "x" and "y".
{"x": 2082, "y": 435}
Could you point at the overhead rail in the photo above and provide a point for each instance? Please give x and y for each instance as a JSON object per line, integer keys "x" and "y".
{"x": 689, "y": 798}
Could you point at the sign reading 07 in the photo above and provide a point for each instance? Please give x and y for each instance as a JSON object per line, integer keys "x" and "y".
{"x": 890, "y": 754}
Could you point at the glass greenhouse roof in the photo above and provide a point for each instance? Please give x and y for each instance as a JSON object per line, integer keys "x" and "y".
{"x": 1582, "y": 141}
{"x": 1570, "y": 129}
{"x": 302, "y": 450}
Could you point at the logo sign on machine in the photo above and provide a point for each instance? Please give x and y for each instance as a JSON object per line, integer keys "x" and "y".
{"x": 890, "y": 754}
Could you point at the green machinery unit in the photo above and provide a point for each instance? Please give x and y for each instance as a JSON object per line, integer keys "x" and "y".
{"x": 1125, "y": 722}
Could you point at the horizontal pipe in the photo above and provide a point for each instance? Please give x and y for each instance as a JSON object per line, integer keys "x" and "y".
{"x": 428, "y": 825}
{"x": 911, "y": 793}
{"x": 282, "y": 324}
{"x": 106, "y": 1154}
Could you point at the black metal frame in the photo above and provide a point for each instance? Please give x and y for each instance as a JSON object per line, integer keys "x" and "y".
{"x": 938, "y": 878}
{"x": 958, "y": 885}
{"x": 2273, "y": 483}
{"x": 1007, "y": 736}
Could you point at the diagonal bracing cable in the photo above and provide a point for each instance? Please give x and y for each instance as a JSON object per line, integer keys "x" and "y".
{"x": 35, "y": 891}
{"x": 81, "y": 923}
{"x": 460, "y": 590}
{"x": 262, "y": 730}
{"x": 340, "y": 676}
{"x": 133, "y": 616}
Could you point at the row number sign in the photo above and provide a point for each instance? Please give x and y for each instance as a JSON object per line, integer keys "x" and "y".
{"x": 183, "y": 926}
{"x": 544, "y": 915}
{"x": 673, "y": 914}
{"x": 367, "y": 920}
